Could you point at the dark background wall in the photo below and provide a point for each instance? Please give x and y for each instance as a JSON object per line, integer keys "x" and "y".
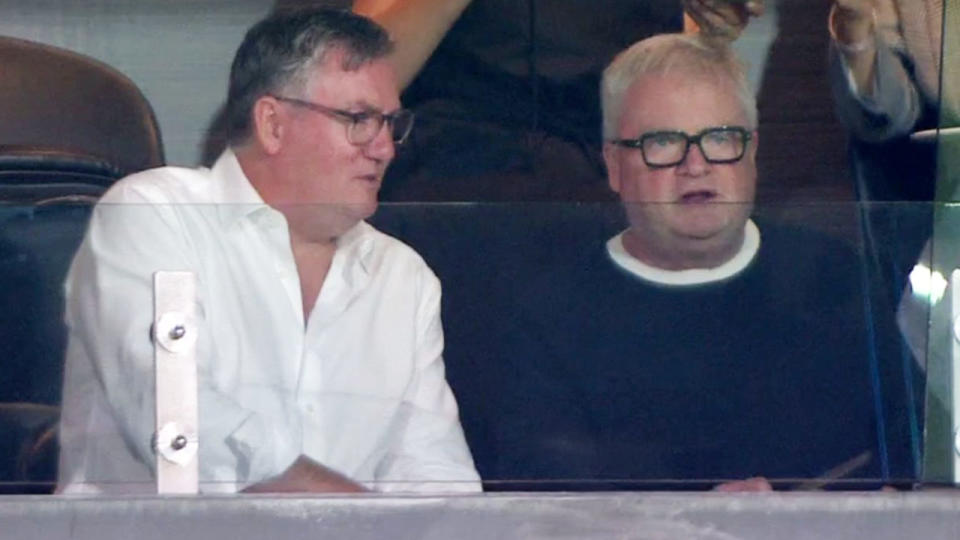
{"x": 802, "y": 146}
{"x": 178, "y": 52}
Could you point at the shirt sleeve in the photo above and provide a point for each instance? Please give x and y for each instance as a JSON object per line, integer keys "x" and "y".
{"x": 893, "y": 106}
{"x": 431, "y": 453}
{"x": 109, "y": 315}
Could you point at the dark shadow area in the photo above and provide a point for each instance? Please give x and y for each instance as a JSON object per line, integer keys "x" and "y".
{"x": 36, "y": 247}
{"x": 572, "y": 376}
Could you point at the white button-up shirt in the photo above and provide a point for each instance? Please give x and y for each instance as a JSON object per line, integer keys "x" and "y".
{"x": 359, "y": 387}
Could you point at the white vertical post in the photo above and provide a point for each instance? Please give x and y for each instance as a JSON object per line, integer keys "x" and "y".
{"x": 175, "y": 368}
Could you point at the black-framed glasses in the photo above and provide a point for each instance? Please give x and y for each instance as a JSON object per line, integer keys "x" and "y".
{"x": 363, "y": 126}
{"x": 660, "y": 149}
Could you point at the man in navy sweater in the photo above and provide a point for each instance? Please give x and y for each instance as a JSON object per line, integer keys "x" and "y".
{"x": 685, "y": 349}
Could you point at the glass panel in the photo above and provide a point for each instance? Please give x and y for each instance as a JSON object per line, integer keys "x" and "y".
{"x": 941, "y": 458}
{"x": 36, "y": 246}
{"x": 950, "y": 76}
{"x": 948, "y": 139}
{"x": 571, "y": 370}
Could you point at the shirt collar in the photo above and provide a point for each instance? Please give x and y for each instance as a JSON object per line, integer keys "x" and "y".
{"x": 237, "y": 199}
{"x": 357, "y": 245}
{"x": 693, "y": 276}
{"x": 233, "y": 192}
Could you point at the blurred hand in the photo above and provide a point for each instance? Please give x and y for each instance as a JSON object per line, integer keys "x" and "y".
{"x": 757, "y": 484}
{"x": 722, "y": 20}
{"x": 307, "y": 476}
{"x": 852, "y": 20}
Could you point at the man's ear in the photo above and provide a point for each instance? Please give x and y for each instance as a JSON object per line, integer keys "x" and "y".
{"x": 268, "y": 124}
{"x": 610, "y": 159}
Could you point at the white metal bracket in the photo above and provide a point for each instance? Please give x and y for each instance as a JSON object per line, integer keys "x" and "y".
{"x": 175, "y": 367}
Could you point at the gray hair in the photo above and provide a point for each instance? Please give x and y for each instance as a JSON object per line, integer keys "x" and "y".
{"x": 671, "y": 53}
{"x": 280, "y": 52}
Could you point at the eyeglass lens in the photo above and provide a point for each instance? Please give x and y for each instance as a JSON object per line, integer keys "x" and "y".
{"x": 365, "y": 128}
{"x": 670, "y": 148}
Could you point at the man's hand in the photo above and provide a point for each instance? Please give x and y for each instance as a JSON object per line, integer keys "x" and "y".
{"x": 852, "y": 20}
{"x": 722, "y": 20}
{"x": 757, "y": 484}
{"x": 307, "y": 476}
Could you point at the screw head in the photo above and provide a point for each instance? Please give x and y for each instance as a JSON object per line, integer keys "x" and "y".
{"x": 178, "y": 331}
{"x": 179, "y": 442}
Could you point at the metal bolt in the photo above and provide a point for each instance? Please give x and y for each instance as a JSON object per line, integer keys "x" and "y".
{"x": 178, "y": 331}
{"x": 179, "y": 442}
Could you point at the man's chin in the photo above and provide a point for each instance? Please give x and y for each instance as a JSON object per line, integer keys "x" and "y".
{"x": 705, "y": 230}
{"x": 345, "y": 215}
{"x": 708, "y": 223}
{"x": 361, "y": 211}
{"x": 327, "y": 219}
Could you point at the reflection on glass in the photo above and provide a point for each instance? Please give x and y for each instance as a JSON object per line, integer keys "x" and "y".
{"x": 926, "y": 284}
{"x": 574, "y": 367}
{"x": 941, "y": 460}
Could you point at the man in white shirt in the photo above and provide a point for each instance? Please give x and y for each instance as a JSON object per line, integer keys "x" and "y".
{"x": 320, "y": 341}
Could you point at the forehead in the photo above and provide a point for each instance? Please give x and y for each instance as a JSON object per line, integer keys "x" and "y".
{"x": 678, "y": 101}
{"x": 373, "y": 84}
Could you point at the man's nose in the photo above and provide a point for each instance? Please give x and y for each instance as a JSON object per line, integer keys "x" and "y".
{"x": 382, "y": 147}
{"x": 694, "y": 163}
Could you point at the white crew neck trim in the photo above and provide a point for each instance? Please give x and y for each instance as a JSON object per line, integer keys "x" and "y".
{"x": 693, "y": 276}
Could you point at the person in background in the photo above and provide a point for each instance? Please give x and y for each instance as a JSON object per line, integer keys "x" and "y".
{"x": 885, "y": 71}
{"x": 506, "y": 91}
{"x": 886, "y": 59}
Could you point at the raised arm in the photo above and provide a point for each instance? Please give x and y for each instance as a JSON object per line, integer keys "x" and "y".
{"x": 416, "y": 26}
{"x": 722, "y": 20}
{"x": 875, "y": 95}
{"x": 853, "y": 26}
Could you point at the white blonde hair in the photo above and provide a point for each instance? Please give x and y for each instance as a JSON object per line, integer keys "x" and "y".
{"x": 671, "y": 53}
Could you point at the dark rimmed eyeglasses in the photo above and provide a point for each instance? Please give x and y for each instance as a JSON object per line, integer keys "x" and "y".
{"x": 363, "y": 126}
{"x": 661, "y": 149}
